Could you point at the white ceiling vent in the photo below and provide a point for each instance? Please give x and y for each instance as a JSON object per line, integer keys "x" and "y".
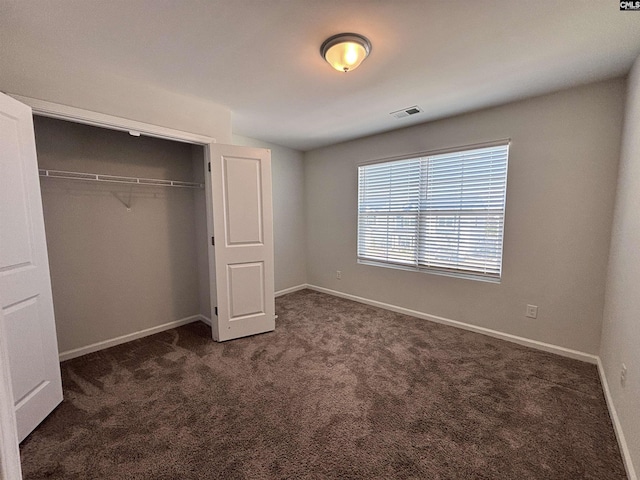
{"x": 405, "y": 112}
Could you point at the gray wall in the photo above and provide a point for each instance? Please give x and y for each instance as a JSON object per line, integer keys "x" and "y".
{"x": 287, "y": 169}
{"x": 116, "y": 272}
{"x": 621, "y": 326}
{"x": 561, "y": 188}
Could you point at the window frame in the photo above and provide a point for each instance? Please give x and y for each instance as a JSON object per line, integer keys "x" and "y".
{"x": 431, "y": 270}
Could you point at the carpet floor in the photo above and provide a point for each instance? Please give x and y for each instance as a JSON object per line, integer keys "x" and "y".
{"x": 340, "y": 390}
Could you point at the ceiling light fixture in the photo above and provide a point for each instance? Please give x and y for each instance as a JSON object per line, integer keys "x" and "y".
{"x": 345, "y": 51}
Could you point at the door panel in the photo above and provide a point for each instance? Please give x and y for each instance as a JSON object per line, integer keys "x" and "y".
{"x": 25, "y": 286}
{"x": 25, "y": 352}
{"x": 243, "y": 227}
{"x": 246, "y": 290}
{"x": 15, "y": 251}
{"x": 243, "y": 200}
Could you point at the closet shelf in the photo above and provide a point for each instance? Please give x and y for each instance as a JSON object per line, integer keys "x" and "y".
{"x": 94, "y": 177}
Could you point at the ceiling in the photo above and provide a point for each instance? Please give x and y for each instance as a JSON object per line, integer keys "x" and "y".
{"x": 260, "y": 58}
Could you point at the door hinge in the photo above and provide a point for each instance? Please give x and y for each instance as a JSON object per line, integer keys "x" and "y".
{"x": 216, "y": 310}
{"x": 209, "y": 166}
{"x": 213, "y": 241}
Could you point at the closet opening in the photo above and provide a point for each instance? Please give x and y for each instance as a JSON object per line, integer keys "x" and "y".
{"x": 133, "y": 244}
{"x": 127, "y": 237}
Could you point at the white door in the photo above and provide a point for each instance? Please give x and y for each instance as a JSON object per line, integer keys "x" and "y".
{"x": 243, "y": 241}
{"x": 25, "y": 286}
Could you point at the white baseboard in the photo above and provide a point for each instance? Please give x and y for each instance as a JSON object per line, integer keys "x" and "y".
{"x": 94, "y": 347}
{"x": 204, "y": 319}
{"x": 617, "y": 426}
{"x": 302, "y": 286}
{"x": 547, "y": 347}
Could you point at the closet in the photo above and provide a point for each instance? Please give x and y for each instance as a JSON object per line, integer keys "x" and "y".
{"x": 133, "y": 231}
{"x": 126, "y": 232}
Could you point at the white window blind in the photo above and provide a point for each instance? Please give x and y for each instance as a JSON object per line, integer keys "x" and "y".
{"x": 442, "y": 213}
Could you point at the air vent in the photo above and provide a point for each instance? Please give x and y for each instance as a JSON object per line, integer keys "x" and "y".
{"x": 405, "y": 112}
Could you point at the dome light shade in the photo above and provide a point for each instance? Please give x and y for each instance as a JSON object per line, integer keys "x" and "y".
{"x": 345, "y": 51}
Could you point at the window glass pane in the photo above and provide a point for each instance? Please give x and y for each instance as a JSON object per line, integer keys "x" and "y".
{"x": 441, "y": 212}
{"x": 389, "y": 238}
{"x": 390, "y": 187}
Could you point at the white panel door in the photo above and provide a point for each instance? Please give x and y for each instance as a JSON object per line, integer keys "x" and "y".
{"x": 243, "y": 231}
{"x": 25, "y": 286}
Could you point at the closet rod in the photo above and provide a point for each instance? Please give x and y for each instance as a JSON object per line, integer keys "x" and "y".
{"x": 95, "y": 177}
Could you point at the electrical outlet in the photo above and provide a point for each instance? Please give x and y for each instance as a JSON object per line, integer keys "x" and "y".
{"x": 532, "y": 311}
{"x": 338, "y": 274}
{"x": 623, "y": 375}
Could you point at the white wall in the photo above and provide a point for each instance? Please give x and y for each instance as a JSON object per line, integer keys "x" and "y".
{"x": 97, "y": 89}
{"x": 287, "y": 169}
{"x": 561, "y": 189}
{"x": 621, "y": 326}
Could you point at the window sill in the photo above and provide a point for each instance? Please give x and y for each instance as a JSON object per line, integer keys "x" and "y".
{"x": 466, "y": 276}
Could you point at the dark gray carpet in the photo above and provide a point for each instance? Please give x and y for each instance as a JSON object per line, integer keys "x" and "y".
{"x": 339, "y": 391}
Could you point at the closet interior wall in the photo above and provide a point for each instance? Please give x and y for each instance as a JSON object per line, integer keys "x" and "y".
{"x": 118, "y": 271}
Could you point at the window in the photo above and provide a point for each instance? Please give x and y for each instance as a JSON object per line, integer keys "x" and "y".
{"x": 440, "y": 213}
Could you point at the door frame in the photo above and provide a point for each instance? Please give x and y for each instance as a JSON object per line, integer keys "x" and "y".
{"x": 10, "y": 466}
